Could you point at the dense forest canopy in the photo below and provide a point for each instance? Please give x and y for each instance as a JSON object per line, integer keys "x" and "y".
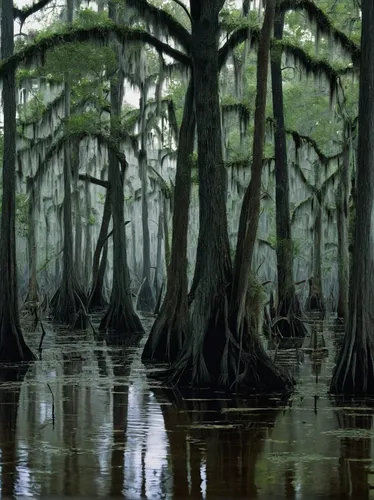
{"x": 198, "y": 161}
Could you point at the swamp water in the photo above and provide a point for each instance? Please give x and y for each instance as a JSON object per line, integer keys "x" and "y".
{"x": 86, "y": 421}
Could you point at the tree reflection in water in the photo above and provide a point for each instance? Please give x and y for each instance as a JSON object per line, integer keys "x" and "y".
{"x": 10, "y": 388}
{"x": 355, "y": 425}
{"x": 121, "y": 363}
{"x": 214, "y": 448}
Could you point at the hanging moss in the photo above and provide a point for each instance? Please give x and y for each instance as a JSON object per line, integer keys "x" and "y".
{"x": 316, "y": 67}
{"x": 323, "y": 22}
{"x": 35, "y": 52}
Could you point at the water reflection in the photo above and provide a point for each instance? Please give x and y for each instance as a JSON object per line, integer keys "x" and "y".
{"x": 10, "y": 388}
{"x": 89, "y": 423}
{"x": 355, "y": 427}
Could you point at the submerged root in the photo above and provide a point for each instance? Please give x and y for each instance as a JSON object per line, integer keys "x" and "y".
{"x": 13, "y": 348}
{"x": 119, "y": 321}
{"x": 169, "y": 331}
{"x": 66, "y": 306}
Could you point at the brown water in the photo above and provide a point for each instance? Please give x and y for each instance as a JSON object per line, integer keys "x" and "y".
{"x": 89, "y": 423}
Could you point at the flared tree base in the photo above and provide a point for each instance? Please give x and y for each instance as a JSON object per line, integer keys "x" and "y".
{"x": 315, "y": 303}
{"x": 226, "y": 364}
{"x": 97, "y": 301}
{"x": 168, "y": 333}
{"x": 146, "y": 300}
{"x": 119, "y": 321}
{"x": 67, "y": 307}
{"x": 354, "y": 373}
{"x": 13, "y": 348}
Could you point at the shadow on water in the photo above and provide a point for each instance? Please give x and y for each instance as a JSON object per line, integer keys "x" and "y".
{"x": 90, "y": 424}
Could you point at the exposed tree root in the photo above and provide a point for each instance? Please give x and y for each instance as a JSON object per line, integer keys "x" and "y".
{"x": 288, "y": 321}
{"x": 354, "y": 373}
{"x": 13, "y": 348}
{"x": 119, "y": 321}
{"x": 146, "y": 298}
{"x": 66, "y": 305}
{"x": 169, "y": 331}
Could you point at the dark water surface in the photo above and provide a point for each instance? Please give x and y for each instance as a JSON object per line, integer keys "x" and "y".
{"x": 86, "y": 421}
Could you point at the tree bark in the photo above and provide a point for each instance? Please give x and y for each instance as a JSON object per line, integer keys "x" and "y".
{"x": 214, "y": 354}
{"x": 171, "y": 326}
{"x": 315, "y": 300}
{"x": 97, "y": 299}
{"x": 32, "y": 295}
{"x": 66, "y": 304}
{"x": 146, "y": 299}
{"x": 354, "y": 372}
{"x": 342, "y": 222}
{"x": 288, "y": 310}
{"x": 78, "y": 261}
{"x": 13, "y": 347}
{"x": 120, "y": 317}
{"x": 200, "y": 363}
{"x": 250, "y": 213}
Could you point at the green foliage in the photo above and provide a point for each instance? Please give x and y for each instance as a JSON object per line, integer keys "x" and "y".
{"x": 73, "y": 61}
{"x": 85, "y": 123}
{"x": 33, "y": 110}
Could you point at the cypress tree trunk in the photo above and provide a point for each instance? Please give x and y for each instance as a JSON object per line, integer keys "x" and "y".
{"x": 146, "y": 299}
{"x": 158, "y": 279}
{"x": 288, "y": 302}
{"x": 342, "y": 204}
{"x": 354, "y": 372}
{"x": 254, "y": 366}
{"x": 13, "y": 347}
{"x": 32, "y": 294}
{"x": 78, "y": 260}
{"x": 66, "y": 304}
{"x": 216, "y": 353}
{"x": 315, "y": 300}
{"x": 171, "y": 326}
{"x": 120, "y": 317}
{"x": 96, "y": 297}
{"x": 200, "y": 363}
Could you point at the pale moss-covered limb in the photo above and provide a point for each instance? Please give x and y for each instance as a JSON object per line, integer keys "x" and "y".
{"x": 23, "y": 14}
{"x": 314, "y": 66}
{"x": 57, "y": 147}
{"x": 48, "y": 112}
{"x": 237, "y": 37}
{"x": 162, "y": 21}
{"x": 324, "y": 24}
{"x": 96, "y": 34}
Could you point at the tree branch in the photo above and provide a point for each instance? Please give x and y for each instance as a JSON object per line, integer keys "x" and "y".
{"x": 98, "y": 34}
{"x": 313, "y": 65}
{"x": 237, "y": 37}
{"x": 181, "y": 4}
{"x": 162, "y": 19}
{"x": 93, "y": 180}
{"x": 23, "y": 14}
